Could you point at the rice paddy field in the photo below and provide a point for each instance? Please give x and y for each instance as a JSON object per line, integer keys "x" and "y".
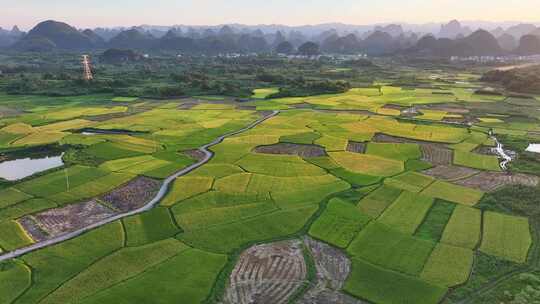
{"x": 390, "y": 191}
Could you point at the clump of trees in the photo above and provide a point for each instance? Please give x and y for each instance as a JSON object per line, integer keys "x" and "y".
{"x": 301, "y": 87}
{"x": 525, "y": 80}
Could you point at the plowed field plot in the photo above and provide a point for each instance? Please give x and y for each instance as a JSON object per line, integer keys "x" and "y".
{"x": 55, "y": 222}
{"x": 268, "y": 273}
{"x": 133, "y": 195}
{"x": 301, "y": 150}
{"x": 491, "y": 181}
{"x": 450, "y": 173}
{"x": 356, "y": 147}
{"x": 333, "y": 268}
{"x": 195, "y": 154}
{"x": 436, "y": 154}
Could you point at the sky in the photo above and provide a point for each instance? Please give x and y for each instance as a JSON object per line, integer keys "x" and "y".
{"x": 106, "y": 13}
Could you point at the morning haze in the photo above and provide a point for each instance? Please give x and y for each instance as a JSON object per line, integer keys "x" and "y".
{"x": 269, "y": 152}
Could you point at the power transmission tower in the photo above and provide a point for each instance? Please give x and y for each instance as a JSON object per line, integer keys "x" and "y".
{"x": 87, "y": 70}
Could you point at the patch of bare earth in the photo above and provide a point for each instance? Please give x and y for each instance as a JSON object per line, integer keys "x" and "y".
{"x": 196, "y": 154}
{"x": 267, "y": 274}
{"x": 436, "y": 155}
{"x": 333, "y": 268}
{"x": 132, "y": 195}
{"x": 357, "y": 147}
{"x": 59, "y": 221}
{"x": 491, "y": 181}
{"x": 301, "y": 150}
{"x": 450, "y": 173}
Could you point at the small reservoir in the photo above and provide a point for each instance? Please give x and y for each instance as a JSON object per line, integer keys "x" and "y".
{"x": 13, "y": 170}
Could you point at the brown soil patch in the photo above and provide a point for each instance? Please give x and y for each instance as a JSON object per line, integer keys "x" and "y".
{"x": 333, "y": 268}
{"x": 32, "y": 229}
{"x": 436, "y": 155}
{"x": 267, "y": 274}
{"x": 491, "y": 181}
{"x": 450, "y": 173}
{"x": 357, "y": 147}
{"x": 58, "y": 221}
{"x": 301, "y": 150}
{"x": 133, "y": 195}
{"x": 196, "y": 154}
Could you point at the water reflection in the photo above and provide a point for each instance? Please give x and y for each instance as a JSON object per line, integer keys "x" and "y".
{"x": 13, "y": 170}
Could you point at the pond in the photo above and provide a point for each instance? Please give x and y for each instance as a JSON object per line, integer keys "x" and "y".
{"x": 534, "y": 148}
{"x": 13, "y": 170}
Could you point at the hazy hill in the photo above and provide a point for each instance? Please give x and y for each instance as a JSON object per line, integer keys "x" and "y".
{"x": 132, "y": 39}
{"x": 51, "y": 34}
{"x": 529, "y": 45}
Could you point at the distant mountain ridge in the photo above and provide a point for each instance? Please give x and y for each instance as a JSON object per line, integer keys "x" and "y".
{"x": 452, "y": 39}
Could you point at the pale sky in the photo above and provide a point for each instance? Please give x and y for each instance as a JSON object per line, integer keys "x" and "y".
{"x": 93, "y": 13}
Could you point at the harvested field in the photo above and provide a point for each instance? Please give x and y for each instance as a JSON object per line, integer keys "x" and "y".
{"x": 356, "y": 147}
{"x": 59, "y": 221}
{"x": 196, "y": 154}
{"x": 268, "y": 273}
{"x": 450, "y": 173}
{"x": 133, "y": 195}
{"x": 333, "y": 268}
{"x": 436, "y": 154}
{"x": 491, "y": 181}
{"x": 301, "y": 150}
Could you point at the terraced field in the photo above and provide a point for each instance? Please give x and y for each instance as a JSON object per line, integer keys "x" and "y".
{"x": 342, "y": 202}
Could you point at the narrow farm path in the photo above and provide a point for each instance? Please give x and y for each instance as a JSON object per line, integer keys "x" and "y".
{"x": 159, "y": 196}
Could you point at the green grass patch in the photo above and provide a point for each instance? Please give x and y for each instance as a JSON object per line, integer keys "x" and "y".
{"x": 226, "y": 238}
{"x": 477, "y": 161}
{"x": 13, "y": 236}
{"x": 12, "y": 196}
{"x": 463, "y": 228}
{"x": 300, "y": 138}
{"x": 187, "y": 277}
{"x": 154, "y": 225}
{"x": 15, "y": 278}
{"x": 407, "y": 212}
{"x": 118, "y": 267}
{"x": 74, "y": 255}
{"x": 356, "y": 179}
{"x": 438, "y": 216}
{"x": 454, "y": 193}
{"x": 410, "y": 181}
{"x": 339, "y": 223}
{"x": 448, "y": 266}
{"x": 377, "y": 201}
{"x": 383, "y": 286}
{"x": 401, "y": 152}
{"x": 506, "y": 236}
{"x": 388, "y": 248}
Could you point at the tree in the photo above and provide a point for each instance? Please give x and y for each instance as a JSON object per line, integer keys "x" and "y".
{"x": 309, "y": 49}
{"x": 285, "y": 47}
